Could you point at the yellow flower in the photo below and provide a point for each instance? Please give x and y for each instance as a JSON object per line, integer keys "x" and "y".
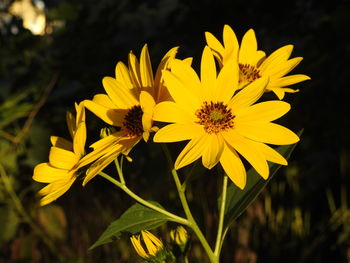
{"x": 65, "y": 159}
{"x": 253, "y": 63}
{"x": 150, "y": 246}
{"x": 218, "y": 125}
{"x": 128, "y": 104}
{"x": 179, "y": 235}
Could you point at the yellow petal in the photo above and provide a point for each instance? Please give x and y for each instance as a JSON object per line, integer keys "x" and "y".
{"x": 271, "y": 155}
{"x": 45, "y": 173}
{"x": 134, "y": 69}
{"x": 54, "y": 190}
{"x": 227, "y": 82}
{"x": 215, "y": 45}
{"x": 119, "y": 95}
{"x": 178, "y": 132}
{"x": 161, "y": 92}
{"x": 61, "y": 143}
{"x": 249, "y": 46}
{"x": 110, "y": 116}
{"x": 267, "y": 132}
{"x": 282, "y": 69}
{"x": 181, "y": 93}
{"x": 249, "y": 150}
{"x": 230, "y": 43}
{"x": 71, "y": 124}
{"x": 186, "y": 74}
{"x": 192, "y": 151}
{"x": 136, "y": 242}
{"x": 62, "y": 159}
{"x": 146, "y": 71}
{"x": 278, "y": 57}
{"x": 122, "y": 74}
{"x": 233, "y": 166}
{"x": 288, "y": 80}
{"x": 79, "y": 140}
{"x": 249, "y": 95}
{"x": 168, "y": 111}
{"x": 214, "y": 146}
{"x": 147, "y": 104}
{"x": 262, "y": 112}
{"x": 208, "y": 73}
{"x": 103, "y": 100}
{"x": 98, "y": 166}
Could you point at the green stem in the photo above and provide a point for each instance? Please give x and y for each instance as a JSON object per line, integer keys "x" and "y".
{"x": 193, "y": 224}
{"x": 142, "y": 201}
{"x": 219, "y": 236}
{"x": 120, "y": 171}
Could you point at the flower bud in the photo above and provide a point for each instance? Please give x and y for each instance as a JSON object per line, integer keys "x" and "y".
{"x": 147, "y": 247}
{"x": 179, "y": 236}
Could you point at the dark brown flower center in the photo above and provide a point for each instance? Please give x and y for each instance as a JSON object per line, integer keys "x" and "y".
{"x": 248, "y": 73}
{"x": 215, "y": 117}
{"x": 133, "y": 121}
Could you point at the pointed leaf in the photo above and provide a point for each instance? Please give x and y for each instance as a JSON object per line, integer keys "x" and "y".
{"x": 133, "y": 220}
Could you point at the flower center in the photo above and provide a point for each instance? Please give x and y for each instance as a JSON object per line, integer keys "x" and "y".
{"x": 248, "y": 73}
{"x": 133, "y": 121}
{"x": 215, "y": 117}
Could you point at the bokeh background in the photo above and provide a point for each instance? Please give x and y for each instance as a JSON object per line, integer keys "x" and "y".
{"x": 54, "y": 53}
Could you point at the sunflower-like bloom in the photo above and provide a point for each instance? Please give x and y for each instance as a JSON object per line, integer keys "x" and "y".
{"x": 65, "y": 159}
{"x": 253, "y": 63}
{"x": 218, "y": 125}
{"x": 128, "y": 104}
{"x": 150, "y": 246}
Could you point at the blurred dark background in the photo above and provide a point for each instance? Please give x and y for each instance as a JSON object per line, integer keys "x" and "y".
{"x": 60, "y": 58}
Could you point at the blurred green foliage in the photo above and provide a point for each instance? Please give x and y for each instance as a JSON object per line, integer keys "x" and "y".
{"x": 303, "y": 214}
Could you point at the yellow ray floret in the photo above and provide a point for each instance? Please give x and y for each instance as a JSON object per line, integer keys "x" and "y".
{"x": 220, "y": 120}
{"x": 128, "y": 104}
{"x": 253, "y": 63}
{"x": 65, "y": 159}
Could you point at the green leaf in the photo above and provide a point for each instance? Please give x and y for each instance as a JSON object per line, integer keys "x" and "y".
{"x": 133, "y": 220}
{"x": 238, "y": 200}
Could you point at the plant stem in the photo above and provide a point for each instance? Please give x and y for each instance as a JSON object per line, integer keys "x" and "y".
{"x": 193, "y": 224}
{"x": 219, "y": 236}
{"x": 142, "y": 201}
{"x": 120, "y": 171}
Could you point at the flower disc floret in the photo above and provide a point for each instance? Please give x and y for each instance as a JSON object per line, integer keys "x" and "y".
{"x": 133, "y": 121}
{"x": 248, "y": 73}
{"x": 215, "y": 117}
